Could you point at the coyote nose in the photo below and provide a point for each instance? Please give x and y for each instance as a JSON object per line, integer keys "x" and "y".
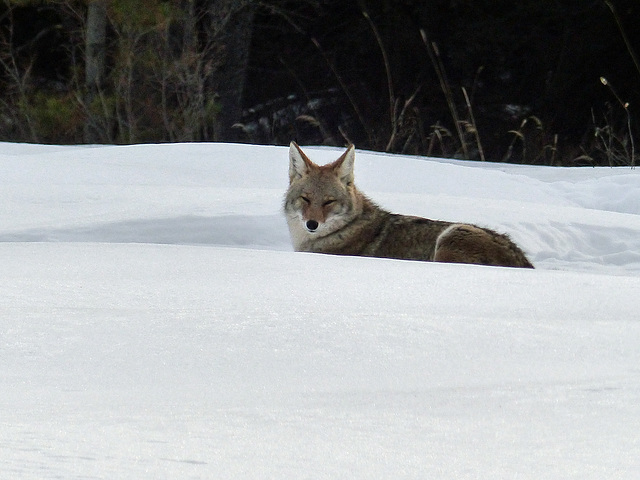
{"x": 312, "y": 225}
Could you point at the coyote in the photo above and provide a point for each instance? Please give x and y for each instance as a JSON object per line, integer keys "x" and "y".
{"x": 326, "y": 213}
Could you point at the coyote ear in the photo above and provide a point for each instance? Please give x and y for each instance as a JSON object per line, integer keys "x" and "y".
{"x": 344, "y": 165}
{"x": 299, "y": 163}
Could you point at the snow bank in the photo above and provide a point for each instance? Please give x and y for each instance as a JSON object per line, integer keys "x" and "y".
{"x": 573, "y": 219}
{"x": 137, "y": 340}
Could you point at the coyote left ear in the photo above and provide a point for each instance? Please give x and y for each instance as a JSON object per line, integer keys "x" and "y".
{"x": 344, "y": 165}
{"x": 299, "y": 163}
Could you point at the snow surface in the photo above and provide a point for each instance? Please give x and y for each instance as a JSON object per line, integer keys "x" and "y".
{"x": 155, "y": 324}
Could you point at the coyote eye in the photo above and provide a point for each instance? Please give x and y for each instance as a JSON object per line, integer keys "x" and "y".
{"x": 305, "y": 199}
{"x": 328, "y": 202}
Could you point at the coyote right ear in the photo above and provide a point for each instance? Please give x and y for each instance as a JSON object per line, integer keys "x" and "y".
{"x": 299, "y": 163}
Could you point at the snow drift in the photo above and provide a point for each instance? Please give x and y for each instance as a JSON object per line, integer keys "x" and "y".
{"x": 154, "y": 323}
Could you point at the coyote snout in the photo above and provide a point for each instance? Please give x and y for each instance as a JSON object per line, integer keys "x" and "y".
{"x": 326, "y": 213}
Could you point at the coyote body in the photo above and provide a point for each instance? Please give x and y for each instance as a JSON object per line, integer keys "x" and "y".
{"x": 326, "y": 213}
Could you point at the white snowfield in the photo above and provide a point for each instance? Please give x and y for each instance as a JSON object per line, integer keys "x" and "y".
{"x": 156, "y": 324}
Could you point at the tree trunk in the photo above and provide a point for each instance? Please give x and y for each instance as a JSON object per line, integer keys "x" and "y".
{"x": 95, "y": 53}
{"x": 231, "y": 28}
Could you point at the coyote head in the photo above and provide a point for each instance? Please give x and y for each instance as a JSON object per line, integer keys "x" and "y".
{"x": 320, "y": 199}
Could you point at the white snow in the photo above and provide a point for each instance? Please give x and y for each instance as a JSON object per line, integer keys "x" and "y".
{"x": 155, "y": 324}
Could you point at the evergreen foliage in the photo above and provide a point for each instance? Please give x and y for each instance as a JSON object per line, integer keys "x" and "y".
{"x": 476, "y": 79}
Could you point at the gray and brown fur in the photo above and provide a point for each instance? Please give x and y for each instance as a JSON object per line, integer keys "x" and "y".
{"x": 326, "y": 213}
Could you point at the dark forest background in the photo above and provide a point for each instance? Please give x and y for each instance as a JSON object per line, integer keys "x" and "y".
{"x": 549, "y": 82}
